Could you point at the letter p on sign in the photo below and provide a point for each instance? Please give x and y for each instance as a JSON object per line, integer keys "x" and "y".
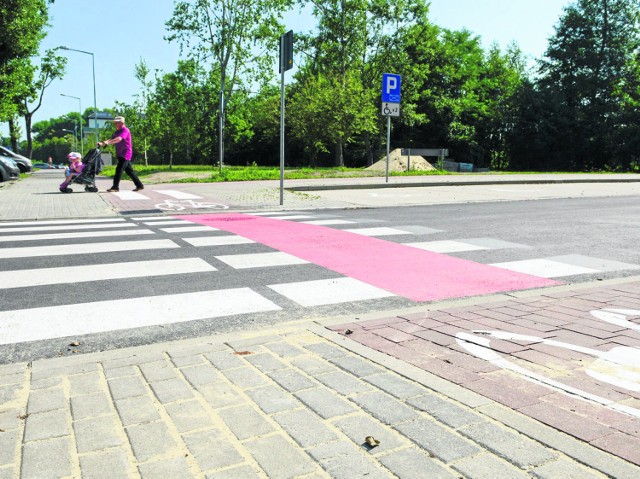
{"x": 391, "y": 84}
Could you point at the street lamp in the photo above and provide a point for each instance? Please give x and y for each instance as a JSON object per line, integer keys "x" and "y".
{"x": 81, "y": 121}
{"x": 75, "y": 132}
{"x": 95, "y": 103}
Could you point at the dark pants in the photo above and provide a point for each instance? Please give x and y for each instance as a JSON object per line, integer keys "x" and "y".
{"x": 128, "y": 169}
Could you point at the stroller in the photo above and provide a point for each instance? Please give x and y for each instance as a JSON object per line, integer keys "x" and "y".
{"x": 92, "y": 165}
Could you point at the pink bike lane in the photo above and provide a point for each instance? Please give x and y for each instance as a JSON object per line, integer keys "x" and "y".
{"x": 569, "y": 359}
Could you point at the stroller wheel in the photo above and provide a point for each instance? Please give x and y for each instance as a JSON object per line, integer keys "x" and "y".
{"x": 92, "y": 189}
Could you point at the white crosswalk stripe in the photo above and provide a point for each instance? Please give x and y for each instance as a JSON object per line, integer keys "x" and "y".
{"x": 83, "y": 226}
{"x": 77, "y": 274}
{"x": 130, "y": 196}
{"x": 60, "y": 222}
{"x": 85, "y": 248}
{"x": 82, "y": 234}
{"x": 180, "y": 195}
{"x": 100, "y": 316}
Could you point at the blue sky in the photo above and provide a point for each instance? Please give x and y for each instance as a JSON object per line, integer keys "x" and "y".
{"x": 121, "y": 32}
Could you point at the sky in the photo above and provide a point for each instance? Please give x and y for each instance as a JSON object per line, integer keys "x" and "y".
{"x": 121, "y": 32}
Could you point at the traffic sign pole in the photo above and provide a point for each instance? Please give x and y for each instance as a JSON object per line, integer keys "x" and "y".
{"x": 391, "y": 85}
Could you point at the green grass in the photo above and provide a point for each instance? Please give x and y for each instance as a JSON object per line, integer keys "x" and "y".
{"x": 207, "y": 174}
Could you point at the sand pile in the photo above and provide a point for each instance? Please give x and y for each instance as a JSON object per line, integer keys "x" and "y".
{"x": 398, "y": 162}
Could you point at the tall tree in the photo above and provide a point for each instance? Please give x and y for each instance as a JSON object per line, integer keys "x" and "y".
{"x": 22, "y": 24}
{"x": 52, "y": 66}
{"x": 237, "y": 35}
{"x": 590, "y": 62}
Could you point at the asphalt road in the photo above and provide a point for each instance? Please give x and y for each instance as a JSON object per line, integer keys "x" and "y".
{"x": 596, "y": 236}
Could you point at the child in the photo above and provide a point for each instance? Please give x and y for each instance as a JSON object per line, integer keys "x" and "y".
{"x": 75, "y": 168}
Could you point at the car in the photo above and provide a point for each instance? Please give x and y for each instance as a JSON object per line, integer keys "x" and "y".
{"x": 8, "y": 169}
{"x": 43, "y": 166}
{"x": 24, "y": 163}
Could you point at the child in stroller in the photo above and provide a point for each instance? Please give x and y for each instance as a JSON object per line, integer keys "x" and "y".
{"x": 83, "y": 173}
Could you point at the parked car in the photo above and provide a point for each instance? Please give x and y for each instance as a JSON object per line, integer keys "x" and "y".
{"x": 43, "y": 166}
{"x": 24, "y": 163}
{"x": 8, "y": 169}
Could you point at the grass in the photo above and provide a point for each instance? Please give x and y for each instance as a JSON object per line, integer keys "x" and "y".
{"x": 207, "y": 174}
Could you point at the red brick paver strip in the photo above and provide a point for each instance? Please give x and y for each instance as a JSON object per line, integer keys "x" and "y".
{"x": 546, "y": 356}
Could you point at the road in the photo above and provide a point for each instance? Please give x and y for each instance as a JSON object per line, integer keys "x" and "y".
{"x": 115, "y": 282}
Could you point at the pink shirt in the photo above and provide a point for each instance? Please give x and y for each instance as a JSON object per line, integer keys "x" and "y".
{"x": 123, "y": 148}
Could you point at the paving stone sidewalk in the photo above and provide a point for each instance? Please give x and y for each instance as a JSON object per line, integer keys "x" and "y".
{"x": 296, "y": 404}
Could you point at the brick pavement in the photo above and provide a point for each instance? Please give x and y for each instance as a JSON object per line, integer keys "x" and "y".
{"x": 294, "y": 403}
{"x": 569, "y": 357}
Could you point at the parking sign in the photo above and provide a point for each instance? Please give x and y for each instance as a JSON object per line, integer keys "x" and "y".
{"x": 391, "y": 88}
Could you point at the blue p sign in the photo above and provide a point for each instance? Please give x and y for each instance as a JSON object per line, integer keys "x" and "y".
{"x": 391, "y": 88}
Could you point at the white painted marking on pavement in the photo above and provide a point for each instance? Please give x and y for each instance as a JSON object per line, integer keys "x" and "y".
{"x": 218, "y": 240}
{"x": 328, "y": 222}
{"x": 168, "y": 222}
{"x": 68, "y": 227}
{"x": 87, "y": 318}
{"x": 100, "y": 272}
{"x": 381, "y": 231}
{"x": 130, "y": 196}
{"x": 260, "y": 260}
{"x": 329, "y": 291}
{"x": 60, "y": 222}
{"x": 292, "y": 217}
{"x": 189, "y": 229}
{"x": 445, "y": 246}
{"x": 79, "y": 234}
{"x": 149, "y": 218}
{"x": 180, "y": 195}
{"x": 85, "y": 248}
{"x": 544, "y": 268}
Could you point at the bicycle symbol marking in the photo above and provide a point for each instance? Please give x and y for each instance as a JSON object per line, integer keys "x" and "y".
{"x": 181, "y": 205}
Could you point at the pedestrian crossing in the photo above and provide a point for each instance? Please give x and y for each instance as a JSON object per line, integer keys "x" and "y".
{"x": 158, "y": 270}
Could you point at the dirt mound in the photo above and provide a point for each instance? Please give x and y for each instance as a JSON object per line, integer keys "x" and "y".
{"x": 399, "y": 162}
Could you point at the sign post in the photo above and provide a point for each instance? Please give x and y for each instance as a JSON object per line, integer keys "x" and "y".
{"x": 286, "y": 63}
{"x": 391, "y": 84}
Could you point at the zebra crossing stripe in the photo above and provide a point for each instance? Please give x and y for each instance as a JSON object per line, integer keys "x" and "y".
{"x": 79, "y": 234}
{"x": 99, "y": 272}
{"x": 68, "y": 227}
{"x": 217, "y": 240}
{"x": 188, "y": 229}
{"x": 179, "y": 195}
{"x": 167, "y": 222}
{"x": 130, "y": 196}
{"x": 87, "y": 318}
{"x": 60, "y": 222}
{"x": 85, "y": 248}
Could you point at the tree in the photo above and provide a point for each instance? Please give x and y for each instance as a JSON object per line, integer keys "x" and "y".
{"x": 236, "y": 34}
{"x": 22, "y": 25}
{"x": 591, "y": 68}
{"x": 52, "y": 66}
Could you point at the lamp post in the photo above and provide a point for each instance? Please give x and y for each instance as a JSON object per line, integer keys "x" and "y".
{"x": 81, "y": 121}
{"x": 95, "y": 103}
{"x": 75, "y": 132}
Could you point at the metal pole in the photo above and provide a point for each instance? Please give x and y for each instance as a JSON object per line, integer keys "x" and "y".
{"x": 81, "y": 121}
{"x": 221, "y": 128}
{"x": 388, "y": 141}
{"x": 95, "y": 102}
{"x": 282, "y": 138}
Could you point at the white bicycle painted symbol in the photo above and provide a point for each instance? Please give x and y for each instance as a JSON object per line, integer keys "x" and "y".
{"x": 173, "y": 205}
{"x": 619, "y": 366}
